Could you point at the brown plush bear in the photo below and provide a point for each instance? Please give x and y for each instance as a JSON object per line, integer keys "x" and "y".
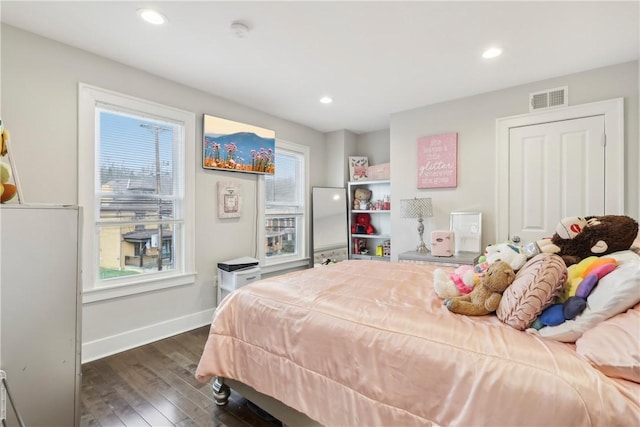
{"x": 577, "y": 238}
{"x": 486, "y": 295}
{"x": 361, "y": 196}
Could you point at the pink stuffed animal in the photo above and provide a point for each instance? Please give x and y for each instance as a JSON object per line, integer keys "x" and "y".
{"x": 460, "y": 282}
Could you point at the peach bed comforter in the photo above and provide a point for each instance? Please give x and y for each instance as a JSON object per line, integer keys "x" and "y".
{"x": 368, "y": 343}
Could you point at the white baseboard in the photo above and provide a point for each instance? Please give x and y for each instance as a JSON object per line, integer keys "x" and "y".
{"x": 107, "y": 346}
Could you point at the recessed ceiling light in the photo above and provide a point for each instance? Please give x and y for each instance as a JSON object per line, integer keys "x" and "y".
{"x": 151, "y": 16}
{"x": 492, "y": 52}
{"x": 326, "y": 100}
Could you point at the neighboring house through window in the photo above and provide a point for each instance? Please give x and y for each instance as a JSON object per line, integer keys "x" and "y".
{"x": 284, "y": 238}
{"x": 136, "y": 189}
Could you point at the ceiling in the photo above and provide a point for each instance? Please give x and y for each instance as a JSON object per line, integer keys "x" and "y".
{"x": 373, "y": 58}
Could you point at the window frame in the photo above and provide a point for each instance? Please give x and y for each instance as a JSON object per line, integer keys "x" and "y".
{"x": 89, "y": 99}
{"x": 268, "y": 264}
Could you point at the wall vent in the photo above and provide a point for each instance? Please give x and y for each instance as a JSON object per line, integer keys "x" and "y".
{"x": 551, "y": 98}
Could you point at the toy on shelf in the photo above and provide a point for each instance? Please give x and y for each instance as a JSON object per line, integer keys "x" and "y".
{"x": 362, "y": 224}
{"x": 361, "y": 199}
{"x": 9, "y": 186}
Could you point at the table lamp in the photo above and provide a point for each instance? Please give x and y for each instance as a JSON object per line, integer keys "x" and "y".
{"x": 417, "y": 208}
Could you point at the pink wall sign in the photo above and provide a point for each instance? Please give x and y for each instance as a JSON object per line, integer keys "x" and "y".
{"x": 437, "y": 161}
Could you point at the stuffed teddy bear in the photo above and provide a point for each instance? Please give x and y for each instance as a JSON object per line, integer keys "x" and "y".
{"x": 460, "y": 282}
{"x": 577, "y": 238}
{"x": 361, "y": 198}
{"x": 507, "y": 253}
{"x": 362, "y": 224}
{"x": 464, "y": 278}
{"x": 486, "y": 295}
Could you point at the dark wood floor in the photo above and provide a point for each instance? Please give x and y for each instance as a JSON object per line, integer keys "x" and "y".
{"x": 154, "y": 385}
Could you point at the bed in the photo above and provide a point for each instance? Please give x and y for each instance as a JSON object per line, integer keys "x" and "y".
{"x": 369, "y": 343}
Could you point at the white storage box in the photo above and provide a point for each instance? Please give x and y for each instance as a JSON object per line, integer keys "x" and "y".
{"x": 235, "y": 274}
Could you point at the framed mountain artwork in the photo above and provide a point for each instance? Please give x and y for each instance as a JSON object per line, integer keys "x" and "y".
{"x": 239, "y": 147}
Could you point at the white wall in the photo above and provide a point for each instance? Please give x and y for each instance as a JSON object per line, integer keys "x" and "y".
{"x": 374, "y": 145}
{"x": 474, "y": 120}
{"x": 336, "y": 168}
{"x": 39, "y": 106}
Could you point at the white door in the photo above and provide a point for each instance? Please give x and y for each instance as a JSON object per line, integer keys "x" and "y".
{"x": 556, "y": 170}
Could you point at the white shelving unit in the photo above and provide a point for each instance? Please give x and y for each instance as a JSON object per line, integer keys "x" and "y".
{"x": 380, "y": 220}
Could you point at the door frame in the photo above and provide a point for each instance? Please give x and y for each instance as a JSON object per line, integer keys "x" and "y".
{"x": 613, "y": 111}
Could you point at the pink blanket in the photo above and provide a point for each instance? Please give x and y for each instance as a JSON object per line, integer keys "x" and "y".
{"x": 368, "y": 343}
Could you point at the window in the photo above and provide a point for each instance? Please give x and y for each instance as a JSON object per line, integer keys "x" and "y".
{"x": 136, "y": 192}
{"x": 284, "y": 241}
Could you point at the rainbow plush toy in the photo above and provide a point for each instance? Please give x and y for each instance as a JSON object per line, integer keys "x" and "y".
{"x": 572, "y": 301}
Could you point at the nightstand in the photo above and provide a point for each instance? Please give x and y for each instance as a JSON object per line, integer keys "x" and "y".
{"x": 460, "y": 258}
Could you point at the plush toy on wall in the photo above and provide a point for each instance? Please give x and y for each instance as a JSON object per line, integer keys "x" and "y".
{"x": 486, "y": 295}
{"x": 577, "y": 238}
{"x": 7, "y": 189}
{"x": 4, "y": 138}
{"x": 362, "y": 224}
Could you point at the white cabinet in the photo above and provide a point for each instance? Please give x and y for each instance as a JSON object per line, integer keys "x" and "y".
{"x": 236, "y": 273}
{"x": 229, "y": 281}
{"x": 40, "y": 298}
{"x": 364, "y": 242}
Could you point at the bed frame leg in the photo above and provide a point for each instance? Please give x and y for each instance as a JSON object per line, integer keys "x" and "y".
{"x": 221, "y": 392}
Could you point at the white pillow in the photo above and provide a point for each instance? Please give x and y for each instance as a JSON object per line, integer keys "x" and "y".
{"x": 614, "y": 294}
{"x": 623, "y": 257}
{"x": 613, "y": 346}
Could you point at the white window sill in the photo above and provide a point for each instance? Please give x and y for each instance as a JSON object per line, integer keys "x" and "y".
{"x": 275, "y": 267}
{"x": 127, "y": 289}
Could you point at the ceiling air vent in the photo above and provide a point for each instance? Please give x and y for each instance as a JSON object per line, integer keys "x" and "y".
{"x": 552, "y": 98}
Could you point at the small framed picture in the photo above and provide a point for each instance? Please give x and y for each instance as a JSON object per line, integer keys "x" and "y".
{"x": 358, "y": 167}
{"x": 467, "y": 228}
{"x": 229, "y": 199}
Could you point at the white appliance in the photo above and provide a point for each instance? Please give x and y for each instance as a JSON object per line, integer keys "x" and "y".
{"x": 40, "y": 312}
{"x": 236, "y": 273}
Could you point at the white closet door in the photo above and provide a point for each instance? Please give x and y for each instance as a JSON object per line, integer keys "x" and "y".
{"x": 556, "y": 170}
